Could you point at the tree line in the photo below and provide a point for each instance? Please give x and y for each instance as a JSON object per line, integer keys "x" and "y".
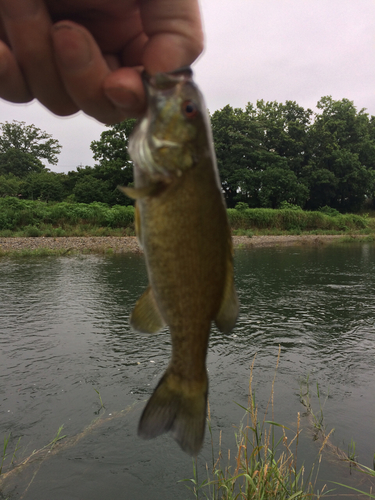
{"x": 273, "y": 153}
{"x": 269, "y": 155}
{"x": 23, "y": 148}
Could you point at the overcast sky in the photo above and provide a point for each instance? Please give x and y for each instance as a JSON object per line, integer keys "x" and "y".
{"x": 275, "y": 50}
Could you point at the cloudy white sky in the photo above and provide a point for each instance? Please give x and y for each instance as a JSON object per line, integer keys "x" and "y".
{"x": 275, "y": 50}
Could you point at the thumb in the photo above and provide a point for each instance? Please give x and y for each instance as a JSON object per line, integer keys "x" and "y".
{"x": 175, "y": 34}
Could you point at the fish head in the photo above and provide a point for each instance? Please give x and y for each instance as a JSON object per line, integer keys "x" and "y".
{"x": 174, "y": 132}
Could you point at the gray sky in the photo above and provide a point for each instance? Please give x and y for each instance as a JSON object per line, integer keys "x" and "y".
{"x": 275, "y": 50}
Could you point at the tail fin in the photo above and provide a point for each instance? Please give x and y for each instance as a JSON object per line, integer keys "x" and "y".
{"x": 177, "y": 406}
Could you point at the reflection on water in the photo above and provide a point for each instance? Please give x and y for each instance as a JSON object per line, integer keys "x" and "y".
{"x": 64, "y": 331}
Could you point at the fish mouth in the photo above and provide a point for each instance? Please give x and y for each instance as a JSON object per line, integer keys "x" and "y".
{"x": 165, "y": 81}
{"x": 146, "y": 144}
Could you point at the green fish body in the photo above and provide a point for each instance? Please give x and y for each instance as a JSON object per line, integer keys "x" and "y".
{"x": 182, "y": 226}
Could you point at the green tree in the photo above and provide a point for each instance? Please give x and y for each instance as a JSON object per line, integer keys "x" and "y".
{"x": 10, "y": 185}
{"x": 114, "y": 166}
{"x": 28, "y": 139}
{"x": 257, "y": 152}
{"x": 236, "y": 138}
{"x": 89, "y": 189}
{"x": 19, "y": 163}
{"x": 340, "y": 172}
{"x": 281, "y": 185}
{"x": 113, "y": 143}
{"x": 285, "y": 130}
{"x": 273, "y": 152}
{"x": 45, "y": 186}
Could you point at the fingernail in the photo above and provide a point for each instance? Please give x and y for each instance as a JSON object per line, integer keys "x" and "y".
{"x": 125, "y": 99}
{"x": 72, "y": 49}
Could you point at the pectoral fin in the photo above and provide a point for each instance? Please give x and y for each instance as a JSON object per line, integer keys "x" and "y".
{"x": 146, "y": 317}
{"x": 137, "y": 193}
{"x": 227, "y": 316}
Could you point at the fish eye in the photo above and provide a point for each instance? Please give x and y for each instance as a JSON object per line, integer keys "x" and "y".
{"x": 190, "y": 109}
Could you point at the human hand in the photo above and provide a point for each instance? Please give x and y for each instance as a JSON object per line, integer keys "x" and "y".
{"x": 88, "y": 54}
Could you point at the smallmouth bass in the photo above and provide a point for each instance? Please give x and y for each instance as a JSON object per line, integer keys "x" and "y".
{"x": 182, "y": 226}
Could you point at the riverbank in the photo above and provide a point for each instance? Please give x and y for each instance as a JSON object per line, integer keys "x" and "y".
{"x": 111, "y": 244}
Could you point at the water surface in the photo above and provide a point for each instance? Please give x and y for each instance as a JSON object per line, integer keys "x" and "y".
{"x": 64, "y": 332}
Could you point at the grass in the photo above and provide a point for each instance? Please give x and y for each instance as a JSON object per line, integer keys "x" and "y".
{"x": 351, "y": 452}
{"x": 60, "y": 442}
{"x": 243, "y": 232}
{"x": 263, "y": 467}
{"x": 298, "y": 220}
{"x": 45, "y": 252}
{"x": 319, "y": 432}
{"x": 265, "y": 463}
{"x": 317, "y": 419}
{"x": 39, "y": 455}
{"x": 58, "y": 437}
{"x": 6, "y": 442}
{"x": 370, "y": 238}
{"x": 79, "y": 230}
{"x": 36, "y": 252}
{"x": 102, "y": 407}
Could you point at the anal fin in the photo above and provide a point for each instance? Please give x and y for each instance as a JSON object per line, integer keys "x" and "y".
{"x": 146, "y": 317}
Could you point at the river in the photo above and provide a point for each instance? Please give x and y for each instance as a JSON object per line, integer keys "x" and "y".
{"x": 66, "y": 345}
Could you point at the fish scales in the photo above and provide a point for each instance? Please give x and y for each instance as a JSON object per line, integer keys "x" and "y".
{"x": 183, "y": 229}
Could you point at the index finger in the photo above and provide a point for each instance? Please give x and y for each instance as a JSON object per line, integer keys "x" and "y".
{"x": 27, "y": 25}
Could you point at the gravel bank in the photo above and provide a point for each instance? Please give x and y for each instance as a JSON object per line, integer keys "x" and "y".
{"x": 129, "y": 244}
{"x": 269, "y": 241}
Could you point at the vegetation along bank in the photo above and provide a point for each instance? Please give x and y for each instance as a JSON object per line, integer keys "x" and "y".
{"x": 36, "y": 218}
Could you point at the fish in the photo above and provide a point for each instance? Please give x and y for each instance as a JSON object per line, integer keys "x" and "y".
{"x": 182, "y": 226}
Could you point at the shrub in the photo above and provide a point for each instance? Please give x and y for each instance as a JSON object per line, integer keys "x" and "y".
{"x": 293, "y": 220}
{"x": 329, "y": 211}
{"x": 32, "y": 231}
{"x": 290, "y": 206}
{"x": 241, "y": 206}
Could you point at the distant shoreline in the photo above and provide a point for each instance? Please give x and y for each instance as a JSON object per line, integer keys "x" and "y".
{"x": 112, "y": 244}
